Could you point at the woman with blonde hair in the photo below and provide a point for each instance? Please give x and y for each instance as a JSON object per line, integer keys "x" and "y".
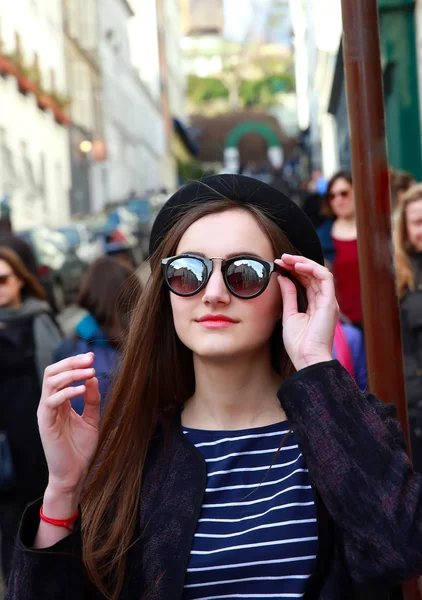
{"x": 408, "y": 259}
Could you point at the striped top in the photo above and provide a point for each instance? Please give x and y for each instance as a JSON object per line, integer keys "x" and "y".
{"x": 257, "y": 532}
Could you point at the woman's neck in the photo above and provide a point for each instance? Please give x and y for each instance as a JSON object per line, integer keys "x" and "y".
{"x": 345, "y": 229}
{"x": 234, "y": 394}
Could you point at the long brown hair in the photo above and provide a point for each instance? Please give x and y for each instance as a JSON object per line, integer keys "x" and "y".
{"x": 109, "y": 291}
{"x": 32, "y": 287}
{"x": 402, "y": 246}
{"x": 156, "y": 377}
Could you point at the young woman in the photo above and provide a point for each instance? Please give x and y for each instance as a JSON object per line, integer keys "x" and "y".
{"x": 235, "y": 459}
{"x": 408, "y": 251}
{"x": 28, "y": 336}
{"x": 108, "y": 294}
{"x": 338, "y": 237}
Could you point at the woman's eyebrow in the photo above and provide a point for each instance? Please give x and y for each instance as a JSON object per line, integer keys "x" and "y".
{"x": 227, "y": 256}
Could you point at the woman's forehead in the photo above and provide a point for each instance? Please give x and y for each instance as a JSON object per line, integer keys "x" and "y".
{"x": 227, "y": 233}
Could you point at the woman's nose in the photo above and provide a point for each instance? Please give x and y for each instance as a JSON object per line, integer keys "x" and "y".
{"x": 216, "y": 291}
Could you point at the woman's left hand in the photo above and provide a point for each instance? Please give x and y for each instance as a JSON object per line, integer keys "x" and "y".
{"x": 308, "y": 337}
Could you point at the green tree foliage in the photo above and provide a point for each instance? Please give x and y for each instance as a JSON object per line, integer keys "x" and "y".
{"x": 265, "y": 91}
{"x": 206, "y": 89}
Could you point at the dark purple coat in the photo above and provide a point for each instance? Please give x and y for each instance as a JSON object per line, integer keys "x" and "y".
{"x": 368, "y": 505}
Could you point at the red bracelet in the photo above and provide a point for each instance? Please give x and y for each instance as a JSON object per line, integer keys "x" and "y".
{"x": 60, "y": 522}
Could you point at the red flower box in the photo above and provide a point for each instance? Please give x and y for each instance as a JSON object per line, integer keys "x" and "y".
{"x": 26, "y": 86}
{"x": 7, "y": 66}
{"x": 61, "y": 117}
{"x": 45, "y": 102}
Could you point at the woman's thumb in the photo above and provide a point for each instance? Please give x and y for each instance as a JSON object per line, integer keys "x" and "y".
{"x": 92, "y": 399}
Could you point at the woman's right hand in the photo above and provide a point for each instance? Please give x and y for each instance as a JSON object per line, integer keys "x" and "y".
{"x": 69, "y": 440}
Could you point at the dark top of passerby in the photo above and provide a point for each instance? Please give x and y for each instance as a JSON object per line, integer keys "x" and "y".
{"x": 411, "y": 321}
{"x": 89, "y": 337}
{"x": 28, "y": 336}
{"x": 356, "y": 555}
{"x": 109, "y": 291}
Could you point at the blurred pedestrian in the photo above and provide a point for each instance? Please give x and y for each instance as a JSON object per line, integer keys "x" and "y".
{"x": 236, "y": 458}
{"x": 349, "y": 350}
{"x": 27, "y": 255}
{"x": 28, "y": 336}
{"x": 400, "y": 183}
{"x": 108, "y": 293}
{"x": 22, "y": 249}
{"x": 408, "y": 258}
{"x": 338, "y": 236}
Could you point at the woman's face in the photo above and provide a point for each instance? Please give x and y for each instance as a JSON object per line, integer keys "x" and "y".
{"x": 226, "y": 234}
{"x": 341, "y": 199}
{"x": 414, "y": 224}
{"x": 10, "y": 286}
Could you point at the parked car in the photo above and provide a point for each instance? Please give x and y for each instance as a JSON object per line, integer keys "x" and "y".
{"x": 57, "y": 262}
{"x": 83, "y": 241}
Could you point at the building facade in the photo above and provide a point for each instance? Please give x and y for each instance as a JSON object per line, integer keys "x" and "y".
{"x": 34, "y": 134}
{"x": 181, "y": 150}
{"x": 133, "y": 124}
{"x": 87, "y": 149}
{"x": 316, "y": 29}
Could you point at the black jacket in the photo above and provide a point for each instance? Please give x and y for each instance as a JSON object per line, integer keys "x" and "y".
{"x": 368, "y": 502}
{"x": 20, "y": 392}
{"x": 411, "y": 321}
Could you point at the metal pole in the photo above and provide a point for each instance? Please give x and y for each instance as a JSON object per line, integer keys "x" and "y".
{"x": 362, "y": 59}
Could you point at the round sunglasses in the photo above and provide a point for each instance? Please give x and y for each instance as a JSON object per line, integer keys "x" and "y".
{"x": 245, "y": 277}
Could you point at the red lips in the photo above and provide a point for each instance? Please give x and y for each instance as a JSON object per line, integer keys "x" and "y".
{"x": 216, "y": 318}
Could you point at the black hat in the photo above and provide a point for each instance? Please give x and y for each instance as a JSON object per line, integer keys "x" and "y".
{"x": 277, "y": 206}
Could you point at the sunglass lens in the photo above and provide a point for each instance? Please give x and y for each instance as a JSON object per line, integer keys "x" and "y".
{"x": 246, "y": 277}
{"x": 186, "y": 275}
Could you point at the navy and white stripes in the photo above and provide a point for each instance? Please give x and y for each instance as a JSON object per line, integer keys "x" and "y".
{"x": 257, "y": 533}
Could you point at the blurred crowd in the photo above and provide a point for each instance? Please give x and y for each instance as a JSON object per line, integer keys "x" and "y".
{"x": 330, "y": 205}
{"x": 104, "y": 283}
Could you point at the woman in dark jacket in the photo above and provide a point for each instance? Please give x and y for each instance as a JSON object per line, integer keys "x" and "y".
{"x": 408, "y": 255}
{"x": 108, "y": 294}
{"x": 28, "y": 336}
{"x": 235, "y": 458}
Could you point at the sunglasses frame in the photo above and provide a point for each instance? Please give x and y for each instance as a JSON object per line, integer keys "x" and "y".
{"x": 342, "y": 194}
{"x": 225, "y": 264}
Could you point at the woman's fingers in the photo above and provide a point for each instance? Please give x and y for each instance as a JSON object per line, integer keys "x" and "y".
{"x": 82, "y": 361}
{"x": 58, "y": 382}
{"x": 289, "y": 296}
{"x": 321, "y": 278}
{"x": 92, "y": 399}
{"x": 310, "y": 286}
{"x": 47, "y": 410}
